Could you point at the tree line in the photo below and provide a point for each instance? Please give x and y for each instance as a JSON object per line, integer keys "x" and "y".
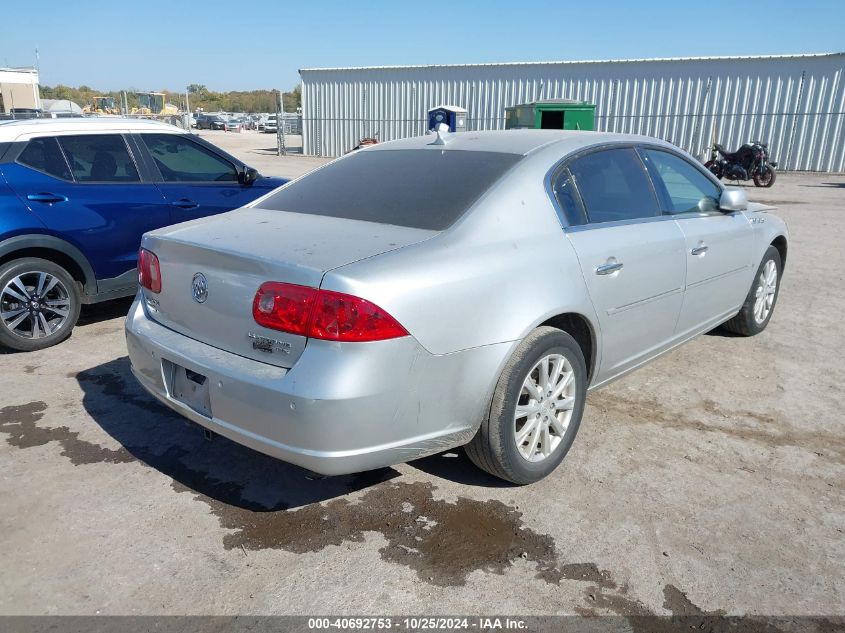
{"x": 198, "y": 97}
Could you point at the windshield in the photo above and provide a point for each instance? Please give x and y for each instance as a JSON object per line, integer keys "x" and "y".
{"x": 424, "y": 189}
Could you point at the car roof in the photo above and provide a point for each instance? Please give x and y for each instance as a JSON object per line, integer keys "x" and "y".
{"x": 11, "y": 130}
{"x": 522, "y": 141}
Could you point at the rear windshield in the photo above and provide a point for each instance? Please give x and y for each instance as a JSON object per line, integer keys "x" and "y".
{"x": 421, "y": 189}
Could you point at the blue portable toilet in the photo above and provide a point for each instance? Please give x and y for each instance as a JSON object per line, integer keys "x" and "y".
{"x": 453, "y": 116}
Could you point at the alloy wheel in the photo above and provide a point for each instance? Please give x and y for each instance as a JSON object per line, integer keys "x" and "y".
{"x": 544, "y": 408}
{"x": 34, "y": 305}
{"x": 765, "y": 294}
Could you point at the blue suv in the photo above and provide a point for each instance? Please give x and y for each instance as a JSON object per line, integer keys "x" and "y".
{"x": 75, "y": 197}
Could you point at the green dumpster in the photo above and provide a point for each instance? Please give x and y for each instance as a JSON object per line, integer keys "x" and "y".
{"x": 552, "y": 114}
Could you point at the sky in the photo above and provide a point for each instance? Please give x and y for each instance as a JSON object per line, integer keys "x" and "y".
{"x": 261, "y": 45}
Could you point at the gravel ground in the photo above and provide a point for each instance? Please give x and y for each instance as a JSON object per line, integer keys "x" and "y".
{"x": 709, "y": 481}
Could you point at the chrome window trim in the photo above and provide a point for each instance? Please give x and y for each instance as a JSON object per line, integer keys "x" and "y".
{"x": 606, "y": 225}
{"x": 695, "y": 215}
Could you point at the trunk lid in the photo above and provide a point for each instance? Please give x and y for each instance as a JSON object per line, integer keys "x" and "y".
{"x": 238, "y": 251}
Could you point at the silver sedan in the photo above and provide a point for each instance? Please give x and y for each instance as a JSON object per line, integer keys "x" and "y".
{"x": 425, "y": 294}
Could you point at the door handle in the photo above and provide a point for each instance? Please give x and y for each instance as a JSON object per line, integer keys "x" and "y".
{"x": 46, "y": 197}
{"x": 184, "y": 203}
{"x": 609, "y": 268}
{"x": 700, "y": 249}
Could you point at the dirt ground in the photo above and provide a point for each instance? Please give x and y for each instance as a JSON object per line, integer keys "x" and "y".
{"x": 712, "y": 480}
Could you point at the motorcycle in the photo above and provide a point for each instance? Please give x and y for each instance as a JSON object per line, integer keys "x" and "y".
{"x": 751, "y": 161}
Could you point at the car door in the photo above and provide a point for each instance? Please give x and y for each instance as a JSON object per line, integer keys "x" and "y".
{"x": 631, "y": 258}
{"x": 86, "y": 189}
{"x": 195, "y": 180}
{"x": 718, "y": 245}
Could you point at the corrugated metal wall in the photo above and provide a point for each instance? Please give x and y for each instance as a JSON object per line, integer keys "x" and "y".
{"x": 796, "y": 103}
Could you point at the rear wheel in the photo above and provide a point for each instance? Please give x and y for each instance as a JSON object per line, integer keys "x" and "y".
{"x": 536, "y": 409}
{"x": 39, "y": 304}
{"x": 760, "y": 303}
{"x": 765, "y": 181}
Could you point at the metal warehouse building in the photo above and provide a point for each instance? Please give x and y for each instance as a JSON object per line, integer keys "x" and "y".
{"x": 794, "y": 102}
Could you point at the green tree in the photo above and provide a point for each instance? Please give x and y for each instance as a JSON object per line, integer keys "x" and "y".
{"x": 293, "y": 100}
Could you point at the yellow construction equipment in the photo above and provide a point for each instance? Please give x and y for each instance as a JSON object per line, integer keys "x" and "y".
{"x": 154, "y": 104}
{"x": 102, "y": 105}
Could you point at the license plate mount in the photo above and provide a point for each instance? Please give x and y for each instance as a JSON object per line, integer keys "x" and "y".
{"x": 191, "y": 389}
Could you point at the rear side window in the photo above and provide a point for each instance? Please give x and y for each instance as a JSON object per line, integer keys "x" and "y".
{"x": 99, "y": 158}
{"x": 181, "y": 160}
{"x": 44, "y": 155}
{"x": 614, "y": 186}
{"x": 423, "y": 189}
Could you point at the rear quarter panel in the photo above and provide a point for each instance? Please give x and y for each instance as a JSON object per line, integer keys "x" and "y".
{"x": 502, "y": 269}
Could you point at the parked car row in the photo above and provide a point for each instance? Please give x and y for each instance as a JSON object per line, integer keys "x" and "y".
{"x": 221, "y": 121}
{"x": 75, "y": 197}
{"x": 235, "y": 122}
{"x": 409, "y": 298}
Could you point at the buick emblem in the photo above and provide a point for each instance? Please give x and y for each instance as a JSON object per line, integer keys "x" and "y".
{"x": 199, "y": 288}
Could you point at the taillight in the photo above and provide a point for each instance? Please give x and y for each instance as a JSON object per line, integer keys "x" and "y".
{"x": 149, "y": 271}
{"x": 283, "y": 307}
{"x": 342, "y": 317}
{"x": 322, "y": 314}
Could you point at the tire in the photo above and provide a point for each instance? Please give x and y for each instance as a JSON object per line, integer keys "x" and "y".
{"x": 748, "y": 321}
{"x": 759, "y": 181}
{"x": 713, "y": 167}
{"x": 495, "y": 447}
{"x": 24, "y": 327}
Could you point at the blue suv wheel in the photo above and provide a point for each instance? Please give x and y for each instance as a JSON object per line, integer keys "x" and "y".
{"x": 39, "y": 304}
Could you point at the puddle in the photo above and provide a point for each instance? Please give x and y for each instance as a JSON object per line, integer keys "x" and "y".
{"x": 18, "y": 423}
{"x": 442, "y": 542}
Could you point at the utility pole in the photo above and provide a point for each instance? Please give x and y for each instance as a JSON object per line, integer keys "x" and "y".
{"x": 280, "y": 127}
{"x": 35, "y": 85}
{"x": 186, "y": 119}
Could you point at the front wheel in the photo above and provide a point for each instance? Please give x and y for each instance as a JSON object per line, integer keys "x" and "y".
{"x": 39, "y": 304}
{"x": 536, "y": 409}
{"x": 765, "y": 181}
{"x": 760, "y": 303}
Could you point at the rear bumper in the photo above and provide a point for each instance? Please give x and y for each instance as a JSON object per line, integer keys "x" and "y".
{"x": 342, "y": 408}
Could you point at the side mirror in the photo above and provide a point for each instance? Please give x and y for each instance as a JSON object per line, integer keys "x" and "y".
{"x": 733, "y": 200}
{"x": 248, "y": 176}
